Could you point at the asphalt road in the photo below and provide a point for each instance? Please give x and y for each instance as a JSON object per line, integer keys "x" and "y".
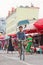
{"x": 13, "y": 59}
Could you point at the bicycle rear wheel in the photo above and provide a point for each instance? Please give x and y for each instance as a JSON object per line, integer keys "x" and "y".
{"x": 22, "y": 54}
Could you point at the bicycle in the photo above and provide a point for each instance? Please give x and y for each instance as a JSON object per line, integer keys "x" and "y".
{"x": 22, "y": 54}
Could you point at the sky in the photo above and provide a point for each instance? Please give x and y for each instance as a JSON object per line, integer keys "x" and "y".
{"x": 6, "y": 5}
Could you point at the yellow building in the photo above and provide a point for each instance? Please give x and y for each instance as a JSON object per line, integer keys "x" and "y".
{"x": 27, "y": 13}
{"x": 21, "y": 13}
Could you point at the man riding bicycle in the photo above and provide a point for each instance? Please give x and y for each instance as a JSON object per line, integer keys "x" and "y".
{"x": 20, "y": 36}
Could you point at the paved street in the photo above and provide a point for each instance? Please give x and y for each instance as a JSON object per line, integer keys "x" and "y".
{"x": 9, "y": 59}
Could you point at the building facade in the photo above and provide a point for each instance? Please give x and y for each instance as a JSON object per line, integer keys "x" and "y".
{"x": 29, "y": 13}
{"x": 10, "y": 24}
{"x": 2, "y": 26}
{"x": 21, "y": 13}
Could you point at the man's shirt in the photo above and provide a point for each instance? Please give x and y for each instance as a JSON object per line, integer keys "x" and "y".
{"x": 21, "y": 35}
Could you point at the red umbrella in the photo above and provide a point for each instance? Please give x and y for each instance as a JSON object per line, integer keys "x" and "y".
{"x": 30, "y": 29}
{"x": 2, "y": 37}
{"x": 13, "y": 35}
{"x": 39, "y": 24}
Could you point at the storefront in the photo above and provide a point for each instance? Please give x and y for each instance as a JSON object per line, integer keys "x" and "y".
{"x": 38, "y": 39}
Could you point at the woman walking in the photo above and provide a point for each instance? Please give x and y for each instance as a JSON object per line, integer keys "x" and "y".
{"x": 10, "y": 45}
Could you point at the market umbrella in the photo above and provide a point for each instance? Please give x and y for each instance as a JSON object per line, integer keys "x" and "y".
{"x": 30, "y": 29}
{"x": 23, "y": 22}
{"x": 2, "y": 37}
{"x": 12, "y": 35}
{"x": 39, "y": 24}
{"x": 30, "y": 26}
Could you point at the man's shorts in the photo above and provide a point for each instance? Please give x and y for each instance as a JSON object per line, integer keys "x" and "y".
{"x": 19, "y": 45}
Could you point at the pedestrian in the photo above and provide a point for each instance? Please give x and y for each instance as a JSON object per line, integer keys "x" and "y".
{"x": 29, "y": 44}
{"x": 10, "y": 45}
{"x": 20, "y": 36}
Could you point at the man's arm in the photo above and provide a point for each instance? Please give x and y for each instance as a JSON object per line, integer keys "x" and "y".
{"x": 24, "y": 36}
{"x": 18, "y": 36}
